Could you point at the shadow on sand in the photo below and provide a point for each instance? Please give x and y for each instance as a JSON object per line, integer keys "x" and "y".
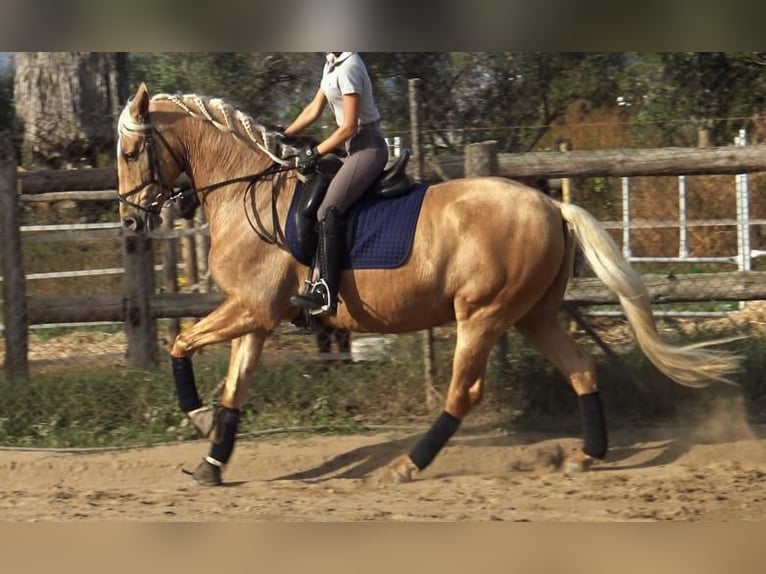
{"x": 631, "y": 447}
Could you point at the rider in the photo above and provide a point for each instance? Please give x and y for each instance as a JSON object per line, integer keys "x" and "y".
{"x": 346, "y": 86}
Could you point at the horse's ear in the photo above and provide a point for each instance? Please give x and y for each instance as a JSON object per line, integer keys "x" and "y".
{"x": 139, "y": 104}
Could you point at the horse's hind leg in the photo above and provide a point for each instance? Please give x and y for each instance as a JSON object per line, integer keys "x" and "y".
{"x": 475, "y": 337}
{"x": 245, "y": 353}
{"x": 543, "y": 329}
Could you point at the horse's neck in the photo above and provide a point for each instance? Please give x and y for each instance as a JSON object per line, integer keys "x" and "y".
{"x": 238, "y": 210}
{"x": 214, "y": 157}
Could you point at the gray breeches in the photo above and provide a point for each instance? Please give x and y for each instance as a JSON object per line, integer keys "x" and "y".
{"x": 367, "y": 156}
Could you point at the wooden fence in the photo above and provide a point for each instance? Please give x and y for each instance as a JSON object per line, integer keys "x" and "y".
{"x": 139, "y": 306}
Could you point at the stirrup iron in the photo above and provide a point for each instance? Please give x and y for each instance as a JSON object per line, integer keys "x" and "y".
{"x": 320, "y": 286}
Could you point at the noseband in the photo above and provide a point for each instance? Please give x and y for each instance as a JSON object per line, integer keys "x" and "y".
{"x": 167, "y": 192}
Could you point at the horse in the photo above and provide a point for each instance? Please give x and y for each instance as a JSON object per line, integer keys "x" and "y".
{"x": 487, "y": 254}
{"x": 186, "y": 207}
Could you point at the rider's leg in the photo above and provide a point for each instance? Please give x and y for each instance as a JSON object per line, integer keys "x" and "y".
{"x": 367, "y": 158}
{"x": 322, "y": 295}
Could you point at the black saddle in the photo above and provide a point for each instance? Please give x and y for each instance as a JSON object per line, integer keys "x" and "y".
{"x": 392, "y": 182}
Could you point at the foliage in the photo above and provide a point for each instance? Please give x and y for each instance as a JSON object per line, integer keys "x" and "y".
{"x": 508, "y": 96}
{"x": 513, "y": 97}
{"x": 516, "y": 98}
{"x": 268, "y": 86}
{"x": 103, "y": 406}
{"x": 524, "y": 94}
{"x": 715, "y": 91}
{"x": 118, "y": 407}
{"x": 8, "y": 121}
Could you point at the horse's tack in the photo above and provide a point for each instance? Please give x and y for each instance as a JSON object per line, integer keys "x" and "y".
{"x": 488, "y": 254}
{"x": 392, "y": 183}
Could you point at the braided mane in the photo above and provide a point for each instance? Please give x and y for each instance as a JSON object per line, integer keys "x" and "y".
{"x": 222, "y": 115}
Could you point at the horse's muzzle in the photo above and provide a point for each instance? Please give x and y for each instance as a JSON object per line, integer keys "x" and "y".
{"x": 141, "y": 224}
{"x": 134, "y": 224}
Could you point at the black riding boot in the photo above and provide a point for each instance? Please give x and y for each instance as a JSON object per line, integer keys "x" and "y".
{"x": 321, "y": 296}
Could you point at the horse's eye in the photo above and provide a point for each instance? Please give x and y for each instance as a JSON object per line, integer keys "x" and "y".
{"x": 131, "y": 156}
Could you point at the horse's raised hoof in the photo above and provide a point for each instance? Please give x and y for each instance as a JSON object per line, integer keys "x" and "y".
{"x": 205, "y": 420}
{"x": 577, "y": 463}
{"x": 399, "y": 471}
{"x": 207, "y": 474}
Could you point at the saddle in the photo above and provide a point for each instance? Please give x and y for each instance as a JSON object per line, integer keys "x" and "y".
{"x": 392, "y": 182}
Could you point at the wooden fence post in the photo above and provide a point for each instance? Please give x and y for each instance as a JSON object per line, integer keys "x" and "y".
{"x": 202, "y": 248}
{"x": 433, "y": 397}
{"x": 170, "y": 267}
{"x": 16, "y": 332}
{"x": 481, "y": 160}
{"x": 140, "y": 327}
{"x": 189, "y": 255}
{"x": 566, "y": 187}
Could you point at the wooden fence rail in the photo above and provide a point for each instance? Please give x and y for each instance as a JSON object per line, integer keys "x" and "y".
{"x": 555, "y": 164}
{"x": 688, "y": 288}
{"x": 139, "y": 306}
{"x": 44, "y": 309}
{"x": 726, "y": 160}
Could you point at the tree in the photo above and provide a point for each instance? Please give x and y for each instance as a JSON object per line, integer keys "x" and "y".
{"x": 715, "y": 93}
{"x": 270, "y": 86}
{"x": 512, "y": 97}
{"x": 67, "y": 104}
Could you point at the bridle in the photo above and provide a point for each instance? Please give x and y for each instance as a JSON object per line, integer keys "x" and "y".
{"x": 167, "y": 193}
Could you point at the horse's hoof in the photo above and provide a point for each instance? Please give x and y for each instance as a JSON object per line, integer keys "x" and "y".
{"x": 207, "y": 474}
{"x": 399, "y": 471}
{"x": 577, "y": 463}
{"x": 205, "y": 420}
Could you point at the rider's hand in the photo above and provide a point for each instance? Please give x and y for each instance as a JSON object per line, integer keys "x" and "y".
{"x": 307, "y": 158}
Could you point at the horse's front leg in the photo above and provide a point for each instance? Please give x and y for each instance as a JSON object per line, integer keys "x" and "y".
{"x": 226, "y": 322}
{"x": 229, "y": 321}
{"x": 245, "y": 354}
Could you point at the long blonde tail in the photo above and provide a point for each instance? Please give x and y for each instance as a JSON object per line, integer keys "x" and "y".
{"x": 691, "y": 365}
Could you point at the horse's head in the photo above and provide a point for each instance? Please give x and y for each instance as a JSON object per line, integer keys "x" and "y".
{"x": 147, "y": 165}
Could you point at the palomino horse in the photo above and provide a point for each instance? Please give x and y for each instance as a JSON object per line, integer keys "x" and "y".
{"x": 186, "y": 206}
{"x": 488, "y": 253}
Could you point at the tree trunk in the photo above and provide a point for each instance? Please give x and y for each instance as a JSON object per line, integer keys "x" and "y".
{"x": 68, "y": 103}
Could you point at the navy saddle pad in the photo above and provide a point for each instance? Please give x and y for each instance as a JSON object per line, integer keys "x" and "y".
{"x": 383, "y": 231}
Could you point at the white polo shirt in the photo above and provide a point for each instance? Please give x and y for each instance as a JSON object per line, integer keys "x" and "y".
{"x": 347, "y": 74}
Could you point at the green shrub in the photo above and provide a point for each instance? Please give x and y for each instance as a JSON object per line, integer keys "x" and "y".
{"x": 103, "y": 407}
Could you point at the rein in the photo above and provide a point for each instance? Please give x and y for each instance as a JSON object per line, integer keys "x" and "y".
{"x": 256, "y": 225}
{"x": 169, "y": 194}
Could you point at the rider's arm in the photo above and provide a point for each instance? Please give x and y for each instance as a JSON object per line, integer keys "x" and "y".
{"x": 350, "y": 125}
{"x": 309, "y": 115}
